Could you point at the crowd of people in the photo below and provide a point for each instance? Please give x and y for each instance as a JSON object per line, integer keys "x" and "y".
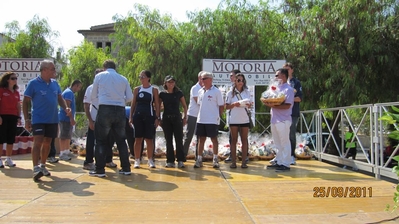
{"x": 50, "y": 113}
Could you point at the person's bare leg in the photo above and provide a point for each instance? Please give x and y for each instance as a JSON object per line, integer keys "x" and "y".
{"x": 201, "y": 144}
{"x": 45, "y": 149}
{"x": 150, "y": 148}
{"x": 9, "y": 149}
{"x": 37, "y": 146}
{"x": 137, "y": 148}
{"x": 233, "y": 145}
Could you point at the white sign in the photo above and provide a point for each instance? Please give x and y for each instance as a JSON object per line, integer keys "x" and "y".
{"x": 25, "y": 68}
{"x": 257, "y": 72}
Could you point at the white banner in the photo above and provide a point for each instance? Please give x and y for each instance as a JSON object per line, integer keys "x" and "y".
{"x": 257, "y": 72}
{"x": 25, "y": 68}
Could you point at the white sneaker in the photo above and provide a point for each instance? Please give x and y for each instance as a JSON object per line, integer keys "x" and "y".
{"x": 44, "y": 170}
{"x": 198, "y": 164}
{"x": 9, "y": 162}
{"x": 1, "y": 163}
{"x": 136, "y": 163}
{"x": 180, "y": 164}
{"x": 64, "y": 157}
{"x": 151, "y": 163}
{"x": 215, "y": 163}
{"x": 170, "y": 165}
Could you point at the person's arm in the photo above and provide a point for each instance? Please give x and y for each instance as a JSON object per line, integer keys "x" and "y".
{"x": 19, "y": 111}
{"x": 25, "y": 105}
{"x": 70, "y": 115}
{"x": 184, "y": 105}
{"x": 63, "y": 105}
{"x": 156, "y": 101}
{"x": 298, "y": 94}
{"x": 133, "y": 105}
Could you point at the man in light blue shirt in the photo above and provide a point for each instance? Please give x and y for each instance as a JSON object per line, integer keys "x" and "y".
{"x": 281, "y": 122}
{"x": 113, "y": 92}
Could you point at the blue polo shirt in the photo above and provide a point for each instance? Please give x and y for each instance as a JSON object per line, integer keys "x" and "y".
{"x": 127, "y": 112}
{"x": 67, "y": 95}
{"x": 44, "y": 98}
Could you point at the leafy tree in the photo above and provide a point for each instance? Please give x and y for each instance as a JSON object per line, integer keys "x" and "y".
{"x": 167, "y": 47}
{"x": 83, "y": 61}
{"x": 345, "y": 50}
{"x": 33, "y": 42}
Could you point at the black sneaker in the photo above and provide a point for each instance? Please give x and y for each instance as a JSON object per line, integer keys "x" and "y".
{"x": 282, "y": 169}
{"x": 125, "y": 172}
{"x": 273, "y": 166}
{"x": 228, "y": 160}
{"x": 96, "y": 174}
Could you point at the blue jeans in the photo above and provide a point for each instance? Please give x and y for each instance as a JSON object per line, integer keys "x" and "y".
{"x": 90, "y": 144}
{"x": 172, "y": 126}
{"x": 110, "y": 121}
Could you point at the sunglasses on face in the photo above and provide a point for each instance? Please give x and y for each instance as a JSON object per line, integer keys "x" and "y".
{"x": 240, "y": 80}
{"x": 13, "y": 78}
{"x": 142, "y": 77}
{"x": 204, "y": 79}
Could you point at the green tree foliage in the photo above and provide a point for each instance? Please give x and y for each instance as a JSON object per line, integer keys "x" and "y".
{"x": 33, "y": 42}
{"x": 167, "y": 47}
{"x": 345, "y": 50}
{"x": 83, "y": 61}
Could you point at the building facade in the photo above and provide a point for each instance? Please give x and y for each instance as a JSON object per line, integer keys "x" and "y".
{"x": 100, "y": 36}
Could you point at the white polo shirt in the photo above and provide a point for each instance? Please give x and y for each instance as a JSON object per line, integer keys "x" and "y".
{"x": 209, "y": 102}
{"x": 237, "y": 115}
{"x": 193, "y": 107}
{"x": 93, "y": 103}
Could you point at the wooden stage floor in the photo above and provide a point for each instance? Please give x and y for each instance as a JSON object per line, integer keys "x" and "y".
{"x": 188, "y": 195}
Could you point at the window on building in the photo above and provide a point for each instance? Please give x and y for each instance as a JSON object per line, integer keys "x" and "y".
{"x": 108, "y": 46}
{"x": 99, "y": 44}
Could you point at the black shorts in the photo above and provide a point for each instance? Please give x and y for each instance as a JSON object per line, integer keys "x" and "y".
{"x": 65, "y": 130}
{"x": 8, "y": 129}
{"x": 144, "y": 126}
{"x": 208, "y": 130}
{"x": 246, "y": 125}
{"x": 47, "y": 130}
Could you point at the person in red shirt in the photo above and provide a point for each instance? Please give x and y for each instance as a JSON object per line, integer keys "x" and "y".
{"x": 10, "y": 111}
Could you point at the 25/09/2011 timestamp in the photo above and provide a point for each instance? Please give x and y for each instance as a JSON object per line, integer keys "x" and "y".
{"x": 342, "y": 192}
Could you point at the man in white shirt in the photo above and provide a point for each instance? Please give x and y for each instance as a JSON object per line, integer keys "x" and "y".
{"x": 192, "y": 113}
{"x": 211, "y": 107}
{"x": 113, "y": 92}
{"x": 90, "y": 108}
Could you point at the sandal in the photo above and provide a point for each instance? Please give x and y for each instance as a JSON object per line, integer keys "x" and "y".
{"x": 244, "y": 166}
{"x": 233, "y": 165}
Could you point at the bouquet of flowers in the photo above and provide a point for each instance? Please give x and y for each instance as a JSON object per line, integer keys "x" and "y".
{"x": 273, "y": 94}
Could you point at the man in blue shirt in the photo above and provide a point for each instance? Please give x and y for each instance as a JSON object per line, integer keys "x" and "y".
{"x": 113, "y": 92}
{"x": 68, "y": 121}
{"x": 44, "y": 94}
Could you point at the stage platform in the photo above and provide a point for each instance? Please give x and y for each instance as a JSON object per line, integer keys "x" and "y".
{"x": 188, "y": 195}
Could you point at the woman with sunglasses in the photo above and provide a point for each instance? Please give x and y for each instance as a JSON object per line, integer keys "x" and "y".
{"x": 172, "y": 121}
{"x": 144, "y": 116}
{"x": 10, "y": 110}
{"x": 238, "y": 100}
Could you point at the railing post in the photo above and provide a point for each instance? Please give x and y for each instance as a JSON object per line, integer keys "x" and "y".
{"x": 375, "y": 145}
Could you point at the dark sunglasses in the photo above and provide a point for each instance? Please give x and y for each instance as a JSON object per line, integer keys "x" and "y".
{"x": 204, "y": 79}
{"x": 14, "y": 78}
{"x": 240, "y": 80}
{"x": 142, "y": 77}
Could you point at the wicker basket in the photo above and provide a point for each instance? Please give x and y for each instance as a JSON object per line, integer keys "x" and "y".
{"x": 269, "y": 157}
{"x": 275, "y": 101}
